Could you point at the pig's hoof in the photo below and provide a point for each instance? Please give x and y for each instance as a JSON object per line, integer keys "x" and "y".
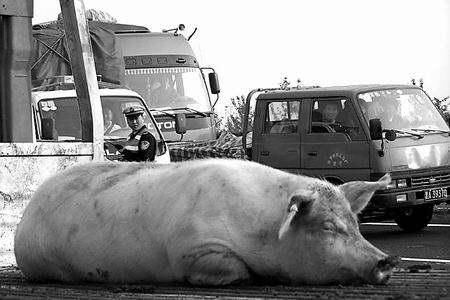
{"x": 214, "y": 265}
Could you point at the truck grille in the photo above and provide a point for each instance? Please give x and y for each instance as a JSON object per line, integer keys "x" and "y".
{"x": 426, "y": 180}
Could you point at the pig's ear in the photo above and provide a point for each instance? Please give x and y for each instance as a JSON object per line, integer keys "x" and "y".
{"x": 299, "y": 203}
{"x": 358, "y": 193}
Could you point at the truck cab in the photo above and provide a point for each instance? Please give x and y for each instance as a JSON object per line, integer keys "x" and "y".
{"x": 360, "y": 133}
{"x": 163, "y": 69}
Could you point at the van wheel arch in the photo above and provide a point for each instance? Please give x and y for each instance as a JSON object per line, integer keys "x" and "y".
{"x": 334, "y": 180}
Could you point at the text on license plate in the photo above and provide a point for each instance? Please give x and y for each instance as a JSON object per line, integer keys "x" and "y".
{"x": 436, "y": 193}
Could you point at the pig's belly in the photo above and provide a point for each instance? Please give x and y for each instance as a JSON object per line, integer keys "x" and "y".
{"x": 72, "y": 247}
{"x": 120, "y": 257}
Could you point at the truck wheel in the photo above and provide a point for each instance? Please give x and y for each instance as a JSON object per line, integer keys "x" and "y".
{"x": 413, "y": 219}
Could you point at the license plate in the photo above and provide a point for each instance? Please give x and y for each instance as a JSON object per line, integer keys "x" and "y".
{"x": 436, "y": 194}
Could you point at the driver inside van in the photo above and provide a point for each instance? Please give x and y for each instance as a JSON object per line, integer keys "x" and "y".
{"x": 330, "y": 112}
{"x": 109, "y": 124}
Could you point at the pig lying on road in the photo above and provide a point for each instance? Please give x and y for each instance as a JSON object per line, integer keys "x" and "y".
{"x": 206, "y": 222}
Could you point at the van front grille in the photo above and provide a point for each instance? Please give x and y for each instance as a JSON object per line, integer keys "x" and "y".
{"x": 426, "y": 180}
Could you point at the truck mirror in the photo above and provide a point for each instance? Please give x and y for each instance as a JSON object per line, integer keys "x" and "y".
{"x": 390, "y": 135}
{"x": 47, "y": 127}
{"x": 376, "y": 132}
{"x": 180, "y": 123}
{"x": 214, "y": 83}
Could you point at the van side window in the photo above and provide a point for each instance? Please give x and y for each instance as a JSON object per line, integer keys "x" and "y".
{"x": 115, "y": 123}
{"x": 335, "y": 115}
{"x": 59, "y": 120}
{"x": 282, "y": 117}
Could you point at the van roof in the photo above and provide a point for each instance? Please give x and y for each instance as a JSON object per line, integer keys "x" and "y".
{"x": 40, "y": 95}
{"x": 332, "y": 91}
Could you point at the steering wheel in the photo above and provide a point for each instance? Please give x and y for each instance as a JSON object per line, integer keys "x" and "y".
{"x": 321, "y": 127}
{"x": 114, "y": 156}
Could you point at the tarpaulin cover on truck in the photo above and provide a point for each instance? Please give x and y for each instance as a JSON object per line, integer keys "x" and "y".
{"x": 50, "y": 56}
{"x": 226, "y": 146}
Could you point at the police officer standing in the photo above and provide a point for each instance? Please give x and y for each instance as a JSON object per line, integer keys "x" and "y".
{"x": 141, "y": 144}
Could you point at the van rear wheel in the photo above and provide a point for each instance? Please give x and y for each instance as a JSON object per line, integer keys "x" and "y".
{"x": 413, "y": 219}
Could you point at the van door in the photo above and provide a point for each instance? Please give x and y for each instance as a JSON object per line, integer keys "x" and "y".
{"x": 276, "y": 136}
{"x": 334, "y": 145}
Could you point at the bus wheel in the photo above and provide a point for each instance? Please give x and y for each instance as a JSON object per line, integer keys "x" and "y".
{"x": 413, "y": 219}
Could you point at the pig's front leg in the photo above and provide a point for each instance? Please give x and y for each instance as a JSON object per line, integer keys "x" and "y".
{"x": 213, "y": 264}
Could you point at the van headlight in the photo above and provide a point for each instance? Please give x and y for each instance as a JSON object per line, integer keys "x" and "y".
{"x": 392, "y": 184}
{"x": 398, "y": 183}
{"x": 402, "y": 183}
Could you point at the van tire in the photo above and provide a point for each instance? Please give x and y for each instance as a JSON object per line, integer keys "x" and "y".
{"x": 413, "y": 219}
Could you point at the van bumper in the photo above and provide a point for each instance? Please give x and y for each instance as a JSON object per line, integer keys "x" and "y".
{"x": 404, "y": 198}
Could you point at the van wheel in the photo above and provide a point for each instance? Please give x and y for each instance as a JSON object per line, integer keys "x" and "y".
{"x": 413, "y": 219}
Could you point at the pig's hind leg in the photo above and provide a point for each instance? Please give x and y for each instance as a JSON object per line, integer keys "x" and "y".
{"x": 213, "y": 264}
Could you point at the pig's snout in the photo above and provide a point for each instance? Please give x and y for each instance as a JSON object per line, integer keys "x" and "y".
{"x": 383, "y": 270}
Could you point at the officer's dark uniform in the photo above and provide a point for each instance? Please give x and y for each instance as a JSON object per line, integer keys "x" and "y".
{"x": 140, "y": 145}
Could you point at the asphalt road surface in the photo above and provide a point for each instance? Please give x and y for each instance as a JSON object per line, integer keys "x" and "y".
{"x": 430, "y": 246}
{"x": 424, "y": 274}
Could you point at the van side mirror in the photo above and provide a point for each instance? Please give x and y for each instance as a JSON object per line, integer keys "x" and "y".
{"x": 47, "y": 128}
{"x": 180, "y": 123}
{"x": 214, "y": 83}
{"x": 376, "y": 132}
{"x": 390, "y": 135}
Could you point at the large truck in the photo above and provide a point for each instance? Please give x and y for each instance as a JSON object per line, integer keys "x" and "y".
{"x": 160, "y": 66}
{"x": 377, "y": 129}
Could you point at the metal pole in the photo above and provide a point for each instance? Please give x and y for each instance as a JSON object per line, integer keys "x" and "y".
{"x": 83, "y": 70}
{"x": 15, "y": 51}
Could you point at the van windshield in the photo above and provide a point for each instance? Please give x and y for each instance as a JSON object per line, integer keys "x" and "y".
{"x": 166, "y": 88}
{"x": 401, "y": 109}
{"x": 63, "y": 115}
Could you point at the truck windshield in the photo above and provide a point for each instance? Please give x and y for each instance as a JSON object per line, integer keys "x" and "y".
{"x": 63, "y": 115}
{"x": 166, "y": 88}
{"x": 401, "y": 109}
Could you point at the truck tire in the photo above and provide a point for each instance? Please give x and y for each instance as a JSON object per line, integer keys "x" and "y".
{"x": 413, "y": 219}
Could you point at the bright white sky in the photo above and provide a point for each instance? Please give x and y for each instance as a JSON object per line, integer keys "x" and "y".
{"x": 255, "y": 43}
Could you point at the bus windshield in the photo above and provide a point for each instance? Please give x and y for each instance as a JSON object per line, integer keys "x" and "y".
{"x": 401, "y": 109}
{"x": 166, "y": 88}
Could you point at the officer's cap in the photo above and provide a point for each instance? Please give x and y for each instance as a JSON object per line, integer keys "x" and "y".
{"x": 133, "y": 110}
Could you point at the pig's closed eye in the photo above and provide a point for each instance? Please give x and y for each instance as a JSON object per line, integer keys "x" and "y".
{"x": 329, "y": 226}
